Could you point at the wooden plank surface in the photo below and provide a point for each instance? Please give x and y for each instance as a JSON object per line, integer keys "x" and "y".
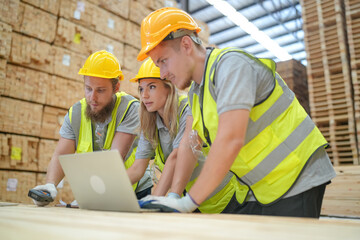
{"x": 342, "y": 196}
{"x": 29, "y": 222}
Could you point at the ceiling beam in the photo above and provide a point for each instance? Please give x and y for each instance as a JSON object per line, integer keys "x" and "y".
{"x": 281, "y": 45}
{"x": 290, "y": 52}
{"x": 237, "y": 9}
{"x": 254, "y": 18}
{"x": 262, "y": 29}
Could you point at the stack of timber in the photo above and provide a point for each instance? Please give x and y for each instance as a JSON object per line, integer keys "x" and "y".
{"x": 352, "y": 9}
{"x": 43, "y": 44}
{"x": 329, "y": 77}
{"x": 294, "y": 74}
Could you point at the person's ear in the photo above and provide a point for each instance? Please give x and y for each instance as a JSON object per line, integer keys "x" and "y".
{"x": 187, "y": 44}
{"x": 117, "y": 86}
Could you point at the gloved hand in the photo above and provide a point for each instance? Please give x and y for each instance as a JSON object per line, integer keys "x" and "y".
{"x": 185, "y": 204}
{"x": 150, "y": 198}
{"x": 173, "y": 195}
{"x": 50, "y": 187}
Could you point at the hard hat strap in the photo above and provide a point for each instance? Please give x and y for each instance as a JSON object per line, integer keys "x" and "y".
{"x": 181, "y": 33}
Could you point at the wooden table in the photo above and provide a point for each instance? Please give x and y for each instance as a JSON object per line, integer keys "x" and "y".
{"x": 30, "y": 222}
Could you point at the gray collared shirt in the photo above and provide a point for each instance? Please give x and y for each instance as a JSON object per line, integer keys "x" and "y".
{"x": 145, "y": 150}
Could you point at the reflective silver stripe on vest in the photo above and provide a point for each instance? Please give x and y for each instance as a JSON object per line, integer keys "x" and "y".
{"x": 196, "y": 173}
{"x": 280, "y": 152}
{"x": 281, "y": 104}
{"x": 75, "y": 120}
{"x": 224, "y": 182}
{"x": 182, "y": 107}
{"x": 198, "y": 168}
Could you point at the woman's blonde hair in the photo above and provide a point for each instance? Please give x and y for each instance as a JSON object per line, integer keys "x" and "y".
{"x": 148, "y": 119}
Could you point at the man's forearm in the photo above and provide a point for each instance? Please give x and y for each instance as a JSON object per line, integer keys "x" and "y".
{"x": 185, "y": 162}
{"x": 223, "y": 152}
{"x": 217, "y": 165}
{"x": 54, "y": 171}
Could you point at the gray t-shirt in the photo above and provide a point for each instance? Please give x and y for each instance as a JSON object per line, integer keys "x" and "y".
{"x": 145, "y": 149}
{"x": 240, "y": 83}
{"x": 130, "y": 124}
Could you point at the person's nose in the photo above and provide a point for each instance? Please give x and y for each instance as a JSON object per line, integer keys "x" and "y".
{"x": 163, "y": 73}
{"x": 93, "y": 96}
{"x": 145, "y": 93}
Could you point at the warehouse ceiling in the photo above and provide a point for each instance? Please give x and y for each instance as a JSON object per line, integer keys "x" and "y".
{"x": 279, "y": 19}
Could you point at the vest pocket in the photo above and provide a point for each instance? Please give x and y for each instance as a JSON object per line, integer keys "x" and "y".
{"x": 257, "y": 149}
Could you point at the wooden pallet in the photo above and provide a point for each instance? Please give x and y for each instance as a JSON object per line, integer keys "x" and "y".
{"x": 353, "y": 29}
{"x": 329, "y": 77}
{"x": 343, "y": 147}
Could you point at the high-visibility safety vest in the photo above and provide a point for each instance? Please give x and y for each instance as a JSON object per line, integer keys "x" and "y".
{"x": 83, "y": 128}
{"x": 159, "y": 155}
{"x": 279, "y": 140}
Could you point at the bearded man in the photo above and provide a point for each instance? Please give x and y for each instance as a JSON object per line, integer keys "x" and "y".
{"x": 105, "y": 119}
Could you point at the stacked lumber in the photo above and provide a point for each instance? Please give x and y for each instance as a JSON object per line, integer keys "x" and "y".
{"x": 352, "y": 8}
{"x": 43, "y": 44}
{"x": 329, "y": 77}
{"x": 294, "y": 74}
{"x": 14, "y": 185}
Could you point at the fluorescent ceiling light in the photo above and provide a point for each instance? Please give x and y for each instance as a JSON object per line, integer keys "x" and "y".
{"x": 229, "y": 11}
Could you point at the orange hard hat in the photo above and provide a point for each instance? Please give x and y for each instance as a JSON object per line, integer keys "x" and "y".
{"x": 158, "y": 24}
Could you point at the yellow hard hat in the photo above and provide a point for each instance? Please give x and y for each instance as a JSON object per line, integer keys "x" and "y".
{"x": 158, "y": 24}
{"x": 102, "y": 64}
{"x": 147, "y": 70}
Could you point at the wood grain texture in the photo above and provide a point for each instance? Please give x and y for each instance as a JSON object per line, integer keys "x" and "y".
{"x": 30, "y": 222}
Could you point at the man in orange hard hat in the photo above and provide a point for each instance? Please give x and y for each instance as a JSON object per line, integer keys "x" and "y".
{"x": 105, "y": 119}
{"x": 266, "y": 155}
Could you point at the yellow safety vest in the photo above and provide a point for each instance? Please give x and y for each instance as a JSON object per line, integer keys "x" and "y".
{"x": 280, "y": 138}
{"x": 159, "y": 155}
{"x": 83, "y": 128}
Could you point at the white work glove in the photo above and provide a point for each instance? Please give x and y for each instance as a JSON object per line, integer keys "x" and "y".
{"x": 173, "y": 195}
{"x": 184, "y": 204}
{"x": 153, "y": 197}
{"x": 50, "y": 187}
{"x": 150, "y": 198}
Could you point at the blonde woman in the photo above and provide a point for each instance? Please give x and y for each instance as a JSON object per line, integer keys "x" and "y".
{"x": 163, "y": 116}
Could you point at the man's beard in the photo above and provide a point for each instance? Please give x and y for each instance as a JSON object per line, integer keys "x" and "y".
{"x": 101, "y": 115}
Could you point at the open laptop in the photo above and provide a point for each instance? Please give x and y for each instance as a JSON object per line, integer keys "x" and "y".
{"x": 99, "y": 181}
